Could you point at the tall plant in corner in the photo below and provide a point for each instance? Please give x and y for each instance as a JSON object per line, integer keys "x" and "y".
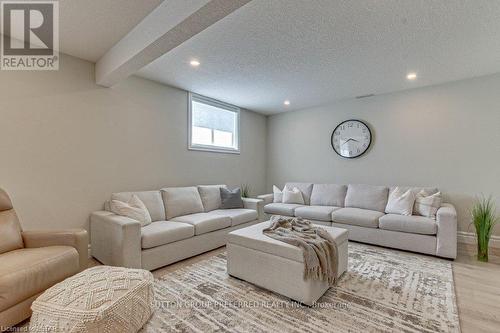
{"x": 484, "y": 219}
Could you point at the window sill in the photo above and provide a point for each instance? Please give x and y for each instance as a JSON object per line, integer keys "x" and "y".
{"x": 214, "y": 150}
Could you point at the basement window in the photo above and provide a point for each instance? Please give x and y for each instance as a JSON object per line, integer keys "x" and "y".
{"x": 213, "y": 125}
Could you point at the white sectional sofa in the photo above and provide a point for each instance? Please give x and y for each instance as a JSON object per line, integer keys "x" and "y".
{"x": 187, "y": 221}
{"x": 360, "y": 209}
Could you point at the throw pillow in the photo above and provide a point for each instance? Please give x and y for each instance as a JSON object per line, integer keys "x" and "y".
{"x": 427, "y": 205}
{"x": 277, "y": 194}
{"x": 293, "y": 197}
{"x": 400, "y": 202}
{"x": 231, "y": 199}
{"x": 134, "y": 209}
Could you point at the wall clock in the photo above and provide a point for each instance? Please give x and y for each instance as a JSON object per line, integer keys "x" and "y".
{"x": 351, "y": 138}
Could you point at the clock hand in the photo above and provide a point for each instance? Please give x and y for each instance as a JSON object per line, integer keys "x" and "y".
{"x": 351, "y": 139}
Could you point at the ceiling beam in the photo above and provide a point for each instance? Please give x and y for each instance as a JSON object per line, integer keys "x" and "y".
{"x": 168, "y": 26}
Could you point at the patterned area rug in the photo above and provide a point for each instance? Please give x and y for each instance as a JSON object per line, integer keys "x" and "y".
{"x": 384, "y": 290}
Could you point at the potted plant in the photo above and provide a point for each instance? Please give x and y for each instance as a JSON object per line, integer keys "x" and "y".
{"x": 245, "y": 191}
{"x": 484, "y": 219}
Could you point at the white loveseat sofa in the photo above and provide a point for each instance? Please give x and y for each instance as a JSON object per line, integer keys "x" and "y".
{"x": 187, "y": 221}
{"x": 360, "y": 209}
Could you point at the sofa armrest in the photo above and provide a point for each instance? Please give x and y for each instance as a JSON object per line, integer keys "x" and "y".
{"x": 255, "y": 204}
{"x": 116, "y": 240}
{"x": 268, "y": 198}
{"x": 447, "y": 231}
{"x": 77, "y": 238}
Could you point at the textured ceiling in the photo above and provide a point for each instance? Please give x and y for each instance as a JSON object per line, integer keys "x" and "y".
{"x": 315, "y": 52}
{"x": 88, "y": 28}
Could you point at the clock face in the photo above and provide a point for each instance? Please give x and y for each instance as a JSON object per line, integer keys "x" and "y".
{"x": 351, "y": 138}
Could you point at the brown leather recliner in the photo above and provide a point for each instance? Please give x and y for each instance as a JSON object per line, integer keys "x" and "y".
{"x": 32, "y": 261}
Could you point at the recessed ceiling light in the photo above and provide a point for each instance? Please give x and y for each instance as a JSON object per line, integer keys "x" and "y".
{"x": 287, "y": 102}
{"x": 411, "y": 76}
{"x": 194, "y": 63}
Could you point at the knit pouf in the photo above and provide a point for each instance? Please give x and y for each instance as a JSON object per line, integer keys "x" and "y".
{"x": 101, "y": 299}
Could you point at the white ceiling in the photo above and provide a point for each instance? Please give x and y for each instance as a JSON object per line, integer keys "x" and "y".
{"x": 315, "y": 52}
{"x": 88, "y": 28}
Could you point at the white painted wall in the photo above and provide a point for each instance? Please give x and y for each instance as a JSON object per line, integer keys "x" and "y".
{"x": 446, "y": 136}
{"x": 66, "y": 144}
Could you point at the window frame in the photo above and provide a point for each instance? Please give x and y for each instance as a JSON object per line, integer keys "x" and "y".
{"x": 215, "y": 103}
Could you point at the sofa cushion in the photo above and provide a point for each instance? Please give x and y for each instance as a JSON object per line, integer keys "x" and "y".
{"x": 293, "y": 196}
{"x": 164, "y": 232}
{"x": 414, "y": 189}
{"x": 181, "y": 201}
{"x": 205, "y": 222}
{"x": 357, "y": 216}
{"x": 210, "y": 196}
{"x": 151, "y": 199}
{"x": 281, "y": 208}
{"x": 367, "y": 197}
{"x": 231, "y": 198}
{"x": 237, "y": 215}
{"x": 10, "y": 231}
{"x": 134, "y": 209}
{"x": 321, "y": 213}
{"x": 328, "y": 195}
{"x": 305, "y": 189}
{"x": 411, "y": 224}
{"x": 27, "y": 272}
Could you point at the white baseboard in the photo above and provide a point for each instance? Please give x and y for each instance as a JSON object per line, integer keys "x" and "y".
{"x": 470, "y": 238}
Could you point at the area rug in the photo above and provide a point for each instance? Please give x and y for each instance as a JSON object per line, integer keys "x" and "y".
{"x": 384, "y": 291}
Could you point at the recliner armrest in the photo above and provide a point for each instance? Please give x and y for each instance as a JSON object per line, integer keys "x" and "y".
{"x": 115, "y": 239}
{"x": 268, "y": 198}
{"x": 255, "y": 204}
{"x": 446, "y": 219}
{"x": 77, "y": 238}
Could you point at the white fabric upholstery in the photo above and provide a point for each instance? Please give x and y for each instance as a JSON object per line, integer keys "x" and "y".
{"x": 277, "y": 194}
{"x": 159, "y": 256}
{"x": 100, "y": 299}
{"x": 252, "y": 237}
{"x": 322, "y": 213}
{"x": 328, "y": 195}
{"x": 237, "y": 215}
{"x": 400, "y": 202}
{"x": 367, "y": 197}
{"x": 395, "y": 239}
{"x": 281, "y": 209}
{"x": 164, "y": 232}
{"x": 151, "y": 199}
{"x": 134, "y": 209}
{"x": 357, "y": 216}
{"x": 411, "y": 224}
{"x": 204, "y": 222}
{"x": 414, "y": 189}
{"x": 305, "y": 189}
{"x": 116, "y": 240}
{"x": 446, "y": 231}
{"x": 180, "y": 201}
{"x": 293, "y": 196}
{"x": 427, "y": 204}
{"x": 210, "y": 196}
{"x": 278, "y": 266}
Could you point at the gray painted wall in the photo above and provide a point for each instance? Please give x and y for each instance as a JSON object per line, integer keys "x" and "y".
{"x": 446, "y": 136}
{"x": 66, "y": 144}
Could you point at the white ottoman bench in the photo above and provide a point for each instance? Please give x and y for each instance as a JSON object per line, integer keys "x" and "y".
{"x": 101, "y": 299}
{"x": 278, "y": 266}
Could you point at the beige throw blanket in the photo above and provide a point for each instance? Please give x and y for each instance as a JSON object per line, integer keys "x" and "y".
{"x": 318, "y": 247}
